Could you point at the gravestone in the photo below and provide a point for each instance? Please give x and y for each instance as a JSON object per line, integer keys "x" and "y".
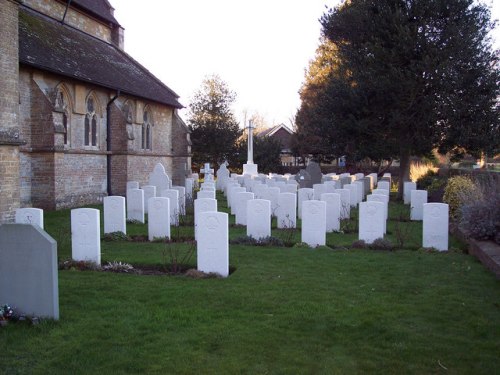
{"x": 132, "y": 185}
{"x": 289, "y": 188}
{"x": 303, "y": 194}
{"x": 86, "y": 235}
{"x": 273, "y": 194}
{"x": 418, "y": 199}
{"x": 213, "y": 243}
{"x": 182, "y": 198}
{"x": 286, "y": 211}
{"x": 149, "y": 192}
{"x": 318, "y": 190}
{"x": 360, "y": 185}
{"x": 33, "y": 216}
{"x": 384, "y": 185}
{"x": 314, "y": 171}
{"x": 346, "y": 180}
{"x": 28, "y": 270}
{"x": 222, "y": 176}
{"x": 374, "y": 177}
{"x": 259, "y": 218}
{"x": 408, "y": 187}
{"x": 202, "y": 205}
{"x": 368, "y": 185}
{"x": 231, "y": 201}
{"x": 380, "y": 191}
{"x": 385, "y": 200}
{"x": 371, "y": 221}
{"x": 173, "y": 195}
{"x": 240, "y": 206}
{"x": 303, "y": 178}
{"x": 435, "y": 226}
{"x": 158, "y": 218}
{"x": 189, "y": 185}
{"x": 159, "y": 178}
{"x": 205, "y": 194}
{"x": 114, "y": 214}
{"x": 314, "y": 223}
{"x": 332, "y": 211}
{"x": 196, "y": 180}
{"x": 353, "y": 194}
{"x": 359, "y": 176}
{"x": 331, "y": 186}
{"x": 260, "y": 191}
{"x": 345, "y": 203}
{"x": 135, "y": 205}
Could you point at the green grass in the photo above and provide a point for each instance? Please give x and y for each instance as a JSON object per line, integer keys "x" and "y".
{"x": 282, "y": 311}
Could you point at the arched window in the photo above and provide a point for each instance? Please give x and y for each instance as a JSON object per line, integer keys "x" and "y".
{"x": 91, "y": 123}
{"x": 147, "y": 131}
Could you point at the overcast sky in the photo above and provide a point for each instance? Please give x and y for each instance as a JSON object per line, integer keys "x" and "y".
{"x": 260, "y": 48}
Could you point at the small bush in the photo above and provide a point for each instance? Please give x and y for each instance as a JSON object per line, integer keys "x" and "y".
{"x": 250, "y": 241}
{"x": 80, "y": 265}
{"x": 457, "y": 190}
{"x": 381, "y": 244}
{"x": 115, "y": 236}
{"x": 480, "y": 214}
{"x": 359, "y": 244}
{"x": 419, "y": 170}
{"x": 118, "y": 267}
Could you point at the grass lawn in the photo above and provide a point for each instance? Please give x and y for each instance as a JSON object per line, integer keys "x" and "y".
{"x": 284, "y": 310}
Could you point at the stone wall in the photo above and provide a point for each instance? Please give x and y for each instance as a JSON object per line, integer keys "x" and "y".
{"x": 9, "y": 111}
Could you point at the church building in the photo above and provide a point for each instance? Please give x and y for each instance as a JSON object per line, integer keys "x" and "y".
{"x": 79, "y": 117}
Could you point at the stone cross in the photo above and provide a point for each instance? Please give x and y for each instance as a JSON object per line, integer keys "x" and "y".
{"x": 207, "y": 170}
{"x": 250, "y": 142}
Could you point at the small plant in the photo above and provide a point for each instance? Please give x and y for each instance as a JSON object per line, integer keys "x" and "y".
{"x": 118, "y": 267}
{"x": 195, "y": 274}
{"x": 175, "y": 258}
{"x": 381, "y": 244}
{"x": 419, "y": 170}
{"x": 115, "y": 236}
{"x": 457, "y": 190}
{"x": 244, "y": 240}
{"x": 133, "y": 221}
{"x": 6, "y": 312}
{"x": 359, "y": 244}
{"x": 80, "y": 265}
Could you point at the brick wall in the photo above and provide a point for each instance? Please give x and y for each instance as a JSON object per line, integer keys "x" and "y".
{"x": 9, "y": 111}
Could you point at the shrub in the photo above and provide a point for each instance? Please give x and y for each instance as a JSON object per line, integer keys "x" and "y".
{"x": 359, "y": 244}
{"x": 118, "y": 267}
{"x": 458, "y": 189}
{"x": 81, "y": 265}
{"x": 381, "y": 244}
{"x": 419, "y": 170}
{"x": 480, "y": 215}
{"x": 115, "y": 236}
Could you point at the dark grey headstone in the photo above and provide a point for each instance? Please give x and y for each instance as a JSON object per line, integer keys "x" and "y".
{"x": 28, "y": 270}
{"x": 315, "y": 172}
{"x": 304, "y": 179}
{"x": 345, "y": 181}
{"x": 367, "y": 181}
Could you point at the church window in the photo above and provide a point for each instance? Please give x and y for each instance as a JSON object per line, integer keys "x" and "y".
{"x": 62, "y": 103}
{"x": 147, "y": 131}
{"x": 91, "y": 123}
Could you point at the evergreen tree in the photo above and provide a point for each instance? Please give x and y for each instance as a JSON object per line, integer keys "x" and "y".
{"x": 410, "y": 76}
{"x": 214, "y": 128}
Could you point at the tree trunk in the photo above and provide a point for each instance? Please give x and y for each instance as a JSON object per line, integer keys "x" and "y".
{"x": 404, "y": 170}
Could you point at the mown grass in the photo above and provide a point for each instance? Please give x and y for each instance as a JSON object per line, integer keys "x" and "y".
{"x": 286, "y": 310}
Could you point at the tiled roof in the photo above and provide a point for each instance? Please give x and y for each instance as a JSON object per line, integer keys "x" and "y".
{"x": 98, "y": 8}
{"x": 272, "y": 130}
{"x": 51, "y": 46}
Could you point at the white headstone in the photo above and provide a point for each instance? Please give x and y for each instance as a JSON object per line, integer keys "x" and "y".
{"x": 213, "y": 243}
{"x": 132, "y": 185}
{"x": 359, "y": 176}
{"x": 435, "y": 226}
{"x": 345, "y": 203}
{"x": 158, "y": 218}
{"x": 381, "y": 191}
{"x": 202, "y": 205}
{"x": 240, "y": 207}
{"x": 159, "y": 178}
{"x": 205, "y": 194}
{"x": 289, "y": 188}
{"x": 314, "y": 223}
{"x": 360, "y": 185}
{"x": 182, "y": 198}
{"x": 332, "y": 211}
{"x": 149, "y": 192}
{"x": 273, "y": 193}
{"x": 135, "y": 205}
{"x": 173, "y": 195}
{"x": 258, "y": 218}
{"x": 114, "y": 214}
{"x": 371, "y": 221}
{"x": 374, "y": 177}
{"x": 222, "y": 176}
{"x": 385, "y": 200}
{"x": 189, "y": 184}
{"x": 418, "y": 199}
{"x": 232, "y": 200}
{"x": 408, "y": 186}
{"x": 353, "y": 194}
{"x": 304, "y": 194}
{"x": 86, "y": 235}
{"x": 386, "y": 185}
{"x": 286, "y": 212}
{"x": 33, "y": 216}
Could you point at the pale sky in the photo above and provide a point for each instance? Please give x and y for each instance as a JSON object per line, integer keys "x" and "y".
{"x": 260, "y": 48}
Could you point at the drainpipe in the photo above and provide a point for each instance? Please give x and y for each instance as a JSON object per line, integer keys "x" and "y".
{"x": 66, "y": 10}
{"x": 108, "y": 141}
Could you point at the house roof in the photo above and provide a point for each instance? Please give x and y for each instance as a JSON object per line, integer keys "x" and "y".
{"x": 98, "y": 8}
{"x": 270, "y": 131}
{"x": 48, "y": 45}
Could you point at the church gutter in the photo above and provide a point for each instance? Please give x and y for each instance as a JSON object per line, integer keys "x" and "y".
{"x": 66, "y": 10}
{"x": 108, "y": 142}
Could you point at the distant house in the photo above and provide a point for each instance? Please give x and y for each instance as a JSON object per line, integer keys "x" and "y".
{"x": 284, "y": 135}
{"x": 79, "y": 117}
